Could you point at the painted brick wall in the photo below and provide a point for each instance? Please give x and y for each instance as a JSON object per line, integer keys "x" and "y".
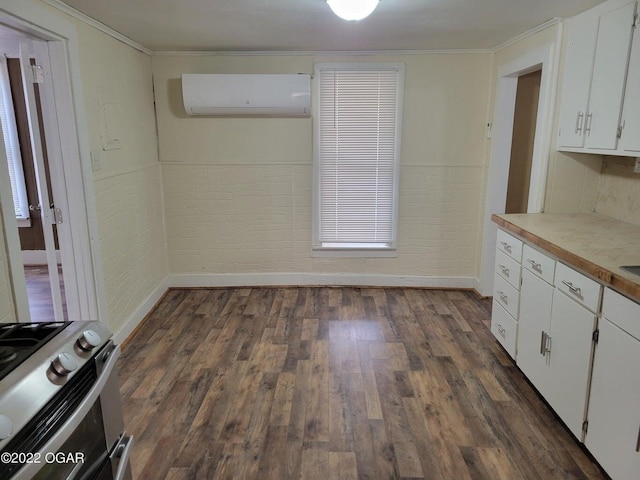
{"x": 7, "y": 310}
{"x": 238, "y": 192}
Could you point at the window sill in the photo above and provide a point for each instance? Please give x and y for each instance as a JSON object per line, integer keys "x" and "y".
{"x": 24, "y": 222}
{"x": 353, "y": 252}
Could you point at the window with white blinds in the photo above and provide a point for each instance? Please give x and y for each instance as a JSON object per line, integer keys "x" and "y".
{"x": 357, "y": 136}
{"x": 11, "y": 145}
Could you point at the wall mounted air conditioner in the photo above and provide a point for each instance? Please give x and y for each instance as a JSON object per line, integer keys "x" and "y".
{"x": 270, "y": 95}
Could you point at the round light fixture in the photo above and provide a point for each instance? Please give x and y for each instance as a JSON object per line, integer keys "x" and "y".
{"x": 353, "y": 10}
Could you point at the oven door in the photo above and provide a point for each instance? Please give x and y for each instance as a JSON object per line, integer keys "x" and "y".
{"x": 82, "y": 429}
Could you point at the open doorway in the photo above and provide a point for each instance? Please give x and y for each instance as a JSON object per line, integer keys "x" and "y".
{"x": 52, "y": 42}
{"x": 43, "y": 301}
{"x": 528, "y": 180}
{"x": 523, "y": 141}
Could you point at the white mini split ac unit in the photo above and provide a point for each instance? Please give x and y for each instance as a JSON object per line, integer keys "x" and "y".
{"x": 268, "y": 95}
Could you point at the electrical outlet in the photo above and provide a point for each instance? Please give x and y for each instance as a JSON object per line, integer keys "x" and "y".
{"x": 636, "y": 169}
{"x": 96, "y": 163}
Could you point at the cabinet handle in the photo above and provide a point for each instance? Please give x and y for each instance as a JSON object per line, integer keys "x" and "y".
{"x": 638, "y": 442}
{"x": 587, "y": 127}
{"x": 504, "y": 269}
{"x": 575, "y": 290}
{"x": 579, "y": 119}
{"x": 506, "y": 246}
{"x": 503, "y": 297}
{"x": 501, "y": 331}
{"x": 536, "y": 266}
{"x": 542, "y": 342}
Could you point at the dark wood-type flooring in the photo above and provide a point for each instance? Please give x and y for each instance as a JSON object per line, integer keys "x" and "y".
{"x": 39, "y": 293}
{"x": 334, "y": 383}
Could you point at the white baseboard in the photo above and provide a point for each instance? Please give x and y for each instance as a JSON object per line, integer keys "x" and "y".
{"x": 328, "y": 279}
{"x": 37, "y": 257}
{"x": 141, "y": 312}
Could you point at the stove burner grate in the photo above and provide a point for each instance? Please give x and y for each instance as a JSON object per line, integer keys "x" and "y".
{"x": 18, "y": 341}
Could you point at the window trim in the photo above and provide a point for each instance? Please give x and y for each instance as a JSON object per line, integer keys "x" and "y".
{"x": 14, "y": 163}
{"x": 356, "y": 250}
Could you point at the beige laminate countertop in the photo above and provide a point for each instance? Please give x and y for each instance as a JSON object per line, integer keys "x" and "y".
{"x": 596, "y": 244}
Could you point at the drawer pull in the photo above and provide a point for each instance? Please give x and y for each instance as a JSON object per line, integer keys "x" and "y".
{"x": 504, "y": 269}
{"x": 502, "y": 331}
{"x": 535, "y": 265}
{"x": 638, "y": 442}
{"x": 545, "y": 343}
{"x": 506, "y": 246}
{"x": 575, "y": 290}
{"x": 503, "y": 297}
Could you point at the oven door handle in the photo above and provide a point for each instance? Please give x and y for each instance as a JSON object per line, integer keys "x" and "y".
{"x": 121, "y": 453}
{"x": 55, "y": 443}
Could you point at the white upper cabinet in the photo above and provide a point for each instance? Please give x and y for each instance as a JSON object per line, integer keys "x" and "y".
{"x": 597, "y": 56}
{"x": 582, "y": 33}
{"x": 609, "y": 74}
{"x": 630, "y": 132}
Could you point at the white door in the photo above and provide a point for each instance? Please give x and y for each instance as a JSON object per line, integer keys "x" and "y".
{"x": 535, "y": 316}
{"x": 31, "y": 75}
{"x": 571, "y": 345}
{"x": 614, "y": 406}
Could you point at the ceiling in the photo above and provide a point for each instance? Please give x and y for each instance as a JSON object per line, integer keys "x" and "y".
{"x": 309, "y": 25}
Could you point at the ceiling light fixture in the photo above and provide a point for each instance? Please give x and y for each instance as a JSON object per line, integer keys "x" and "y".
{"x": 353, "y": 10}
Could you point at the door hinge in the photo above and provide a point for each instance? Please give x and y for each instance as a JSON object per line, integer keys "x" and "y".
{"x": 57, "y": 215}
{"x": 636, "y": 20}
{"x": 619, "y": 132}
{"x": 38, "y": 73}
{"x": 585, "y": 426}
{"x": 596, "y": 335}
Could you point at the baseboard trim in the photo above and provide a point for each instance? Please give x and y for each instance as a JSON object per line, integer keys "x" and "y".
{"x": 141, "y": 312}
{"x": 321, "y": 279}
{"x": 37, "y": 257}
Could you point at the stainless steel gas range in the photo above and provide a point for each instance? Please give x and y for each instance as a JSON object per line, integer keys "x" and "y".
{"x": 60, "y": 407}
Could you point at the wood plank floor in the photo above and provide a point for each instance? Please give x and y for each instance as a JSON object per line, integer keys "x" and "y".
{"x": 39, "y": 293}
{"x": 334, "y": 383}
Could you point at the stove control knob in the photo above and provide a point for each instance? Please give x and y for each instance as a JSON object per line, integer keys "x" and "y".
{"x": 89, "y": 340}
{"x": 63, "y": 364}
{"x": 6, "y": 427}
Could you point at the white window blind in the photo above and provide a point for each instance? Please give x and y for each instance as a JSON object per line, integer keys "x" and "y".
{"x": 11, "y": 145}
{"x": 357, "y": 155}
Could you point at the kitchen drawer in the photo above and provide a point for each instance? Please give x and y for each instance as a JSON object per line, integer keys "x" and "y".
{"x": 504, "y": 328}
{"x": 578, "y": 286}
{"x": 622, "y": 312}
{"x": 538, "y": 263}
{"x": 510, "y": 245}
{"x": 506, "y": 295}
{"x": 508, "y": 269}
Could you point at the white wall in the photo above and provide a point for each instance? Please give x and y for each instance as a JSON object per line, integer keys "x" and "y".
{"x": 7, "y": 306}
{"x": 238, "y": 191}
{"x": 128, "y": 185}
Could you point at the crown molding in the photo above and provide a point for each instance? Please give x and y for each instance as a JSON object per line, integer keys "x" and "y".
{"x": 320, "y": 53}
{"x": 63, "y": 7}
{"x": 543, "y": 26}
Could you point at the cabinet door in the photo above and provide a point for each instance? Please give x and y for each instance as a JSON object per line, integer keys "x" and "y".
{"x": 571, "y": 346}
{"x": 630, "y": 140}
{"x": 582, "y": 32}
{"x": 614, "y": 406}
{"x": 609, "y": 74}
{"x": 535, "y": 315}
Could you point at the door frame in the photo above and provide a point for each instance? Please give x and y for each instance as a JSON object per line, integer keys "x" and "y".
{"x": 546, "y": 58}
{"x": 72, "y": 178}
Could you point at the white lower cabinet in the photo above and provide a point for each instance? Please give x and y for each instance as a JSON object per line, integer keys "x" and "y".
{"x": 570, "y": 347}
{"x": 613, "y": 435}
{"x": 535, "y": 319}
